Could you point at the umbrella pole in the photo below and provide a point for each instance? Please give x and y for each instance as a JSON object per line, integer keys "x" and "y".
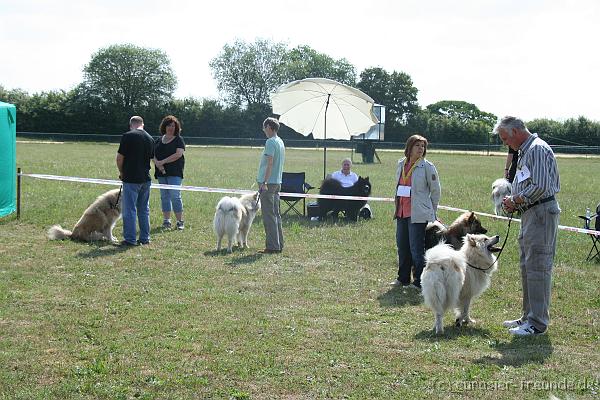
{"x": 325, "y": 140}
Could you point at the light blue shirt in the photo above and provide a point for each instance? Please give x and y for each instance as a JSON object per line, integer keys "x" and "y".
{"x": 275, "y": 148}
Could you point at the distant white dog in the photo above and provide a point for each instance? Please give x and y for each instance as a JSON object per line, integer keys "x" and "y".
{"x": 453, "y": 278}
{"x": 233, "y": 217}
{"x": 500, "y": 188}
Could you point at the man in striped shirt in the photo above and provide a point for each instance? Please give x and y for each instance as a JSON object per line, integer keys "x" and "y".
{"x": 533, "y": 189}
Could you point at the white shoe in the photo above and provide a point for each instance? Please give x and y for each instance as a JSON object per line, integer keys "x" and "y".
{"x": 514, "y": 323}
{"x": 395, "y": 282}
{"x": 526, "y": 330}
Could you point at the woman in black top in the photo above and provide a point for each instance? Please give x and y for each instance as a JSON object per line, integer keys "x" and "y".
{"x": 169, "y": 162}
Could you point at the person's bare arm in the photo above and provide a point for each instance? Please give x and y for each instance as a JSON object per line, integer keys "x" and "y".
{"x": 120, "y": 160}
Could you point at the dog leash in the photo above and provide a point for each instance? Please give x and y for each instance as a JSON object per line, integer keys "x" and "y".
{"x": 501, "y": 248}
{"x": 118, "y": 197}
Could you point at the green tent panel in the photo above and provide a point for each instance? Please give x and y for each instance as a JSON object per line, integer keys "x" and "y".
{"x": 8, "y": 158}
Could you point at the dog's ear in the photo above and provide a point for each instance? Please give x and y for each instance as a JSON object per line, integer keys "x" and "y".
{"x": 471, "y": 217}
{"x": 471, "y": 240}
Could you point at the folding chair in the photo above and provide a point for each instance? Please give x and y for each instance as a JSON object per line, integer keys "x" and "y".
{"x": 587, "y": 224}
{"x": 294, "y": 182}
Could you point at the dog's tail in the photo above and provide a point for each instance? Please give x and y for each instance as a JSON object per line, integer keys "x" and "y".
{"x": 434, "y": 289}
{"x": 227, "y": 210}
{"x": 226, "y": 218}
{"x": 56, "y": 232}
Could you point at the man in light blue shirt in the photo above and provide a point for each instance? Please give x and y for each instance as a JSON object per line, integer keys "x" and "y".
{"x": 269, "y": 175}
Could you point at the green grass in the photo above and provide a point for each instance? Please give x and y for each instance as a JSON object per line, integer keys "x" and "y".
{"x": 176, "y": 320}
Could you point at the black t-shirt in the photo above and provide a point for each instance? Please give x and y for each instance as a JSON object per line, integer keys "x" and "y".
{"x": 137, "y": 148}
{"x": 162, "y": 151}
{"x": 513, "y": 166}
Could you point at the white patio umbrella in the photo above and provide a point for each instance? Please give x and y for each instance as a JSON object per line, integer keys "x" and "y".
{"x": 325, "y": 108}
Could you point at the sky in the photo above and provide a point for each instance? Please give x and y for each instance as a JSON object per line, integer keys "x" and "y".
{"x": 529, "y": 58}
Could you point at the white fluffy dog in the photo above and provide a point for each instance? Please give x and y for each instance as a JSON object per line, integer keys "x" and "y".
{"x": 233, "y": 217}
{"x": 453, "y": 278}
{"x": 97, "y": 221}
{"x": 500, "y": 188}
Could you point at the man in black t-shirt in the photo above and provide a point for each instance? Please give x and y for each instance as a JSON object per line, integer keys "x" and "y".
{"x": 510, "y": 169}
{"x": 133, "y": 160}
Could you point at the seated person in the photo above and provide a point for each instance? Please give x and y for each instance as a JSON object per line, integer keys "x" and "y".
{"x": 346, "y": 177}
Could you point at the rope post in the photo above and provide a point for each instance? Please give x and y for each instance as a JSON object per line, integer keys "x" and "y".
{"x": 18, "y": 193}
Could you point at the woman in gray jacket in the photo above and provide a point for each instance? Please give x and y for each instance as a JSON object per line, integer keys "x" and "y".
{"x": 417, "y": 197}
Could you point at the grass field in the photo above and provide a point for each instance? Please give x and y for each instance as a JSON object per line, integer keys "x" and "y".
{"x": 176, "y": 320}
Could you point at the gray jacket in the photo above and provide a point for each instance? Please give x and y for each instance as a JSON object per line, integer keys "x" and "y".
{"x": 425, "y": 191}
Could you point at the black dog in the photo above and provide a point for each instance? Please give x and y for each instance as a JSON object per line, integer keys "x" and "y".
{"x": 351, "y": 208}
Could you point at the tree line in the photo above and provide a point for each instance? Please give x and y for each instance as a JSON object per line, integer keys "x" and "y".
{"x": 124, "y": 79}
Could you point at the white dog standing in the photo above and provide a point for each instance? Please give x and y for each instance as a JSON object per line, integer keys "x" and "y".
{"x": 453, "y": 278}
{"x": 233, "y": 218}
{"x": 500, "y": 189}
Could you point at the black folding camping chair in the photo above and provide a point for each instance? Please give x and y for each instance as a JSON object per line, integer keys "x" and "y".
{"x": 594, "y": 252}
{"x": 294, "y": 182}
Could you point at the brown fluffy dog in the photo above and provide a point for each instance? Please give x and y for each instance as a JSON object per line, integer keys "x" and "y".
{"x": 454, "y": 234}
{"x": 97, "y": 221}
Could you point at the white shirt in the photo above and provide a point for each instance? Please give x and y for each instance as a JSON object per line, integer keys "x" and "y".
{"x": 345, "y": 180}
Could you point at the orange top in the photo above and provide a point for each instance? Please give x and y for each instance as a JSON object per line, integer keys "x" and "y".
{"x": 403, "y": 203}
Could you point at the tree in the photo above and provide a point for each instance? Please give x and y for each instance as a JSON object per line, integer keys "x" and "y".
{"x": 18, "y": 97}
{"x": 551, "y": 131}
{"x": 304, "y": 62}
{"x": 462, "y": 110}
{"x": 455, "y": 121}
{"x": 41, "y": 112}
{"x": 128, "y": 78}
{"x": 395, "y": 91}
{"x": 247, "y": 72}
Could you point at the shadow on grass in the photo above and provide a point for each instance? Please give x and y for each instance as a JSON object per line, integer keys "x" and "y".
{"x": 451, "y": 333}
{"x": 289, "y": 220}
{"x": 103, "y": 249}
{"x": 223, "y": 252}
{"x": 215, "y": 253}
{"x": 244, "y": 259}
{"x": 520, "y": 351}
{"x": 399, "y": 297}
{"x": 237, "y": 256}
{"x": 159, "y": 230}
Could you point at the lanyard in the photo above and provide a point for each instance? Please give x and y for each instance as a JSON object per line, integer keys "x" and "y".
{"x": 405, "y": 175}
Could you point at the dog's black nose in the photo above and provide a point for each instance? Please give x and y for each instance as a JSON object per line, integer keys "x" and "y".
{"x": 497, "y": 237}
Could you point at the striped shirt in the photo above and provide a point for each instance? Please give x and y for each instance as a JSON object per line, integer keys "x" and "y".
{"x": 543, "y": 181}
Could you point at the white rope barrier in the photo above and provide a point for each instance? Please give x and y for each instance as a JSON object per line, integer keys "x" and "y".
{"x": 115, "y": 182}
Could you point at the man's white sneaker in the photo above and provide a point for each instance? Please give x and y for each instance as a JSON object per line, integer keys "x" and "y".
{"x": 395, "y": 282}
{"x": 526, "y": 330}
{"x": 513, "y": 323}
